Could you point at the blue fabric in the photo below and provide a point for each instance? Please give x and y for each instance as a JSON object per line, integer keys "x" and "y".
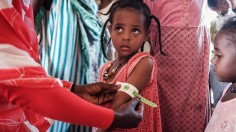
{"x": 71, "y": 48}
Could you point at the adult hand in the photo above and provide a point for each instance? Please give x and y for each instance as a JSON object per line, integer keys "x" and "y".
{"x": 96, "y": 93}
{"x": 128, "y": 115}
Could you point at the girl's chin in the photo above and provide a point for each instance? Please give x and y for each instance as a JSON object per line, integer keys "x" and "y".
{"x": 221, "y": 79}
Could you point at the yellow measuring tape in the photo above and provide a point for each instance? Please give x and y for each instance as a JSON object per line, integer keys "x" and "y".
{"x": 133, "y": 92}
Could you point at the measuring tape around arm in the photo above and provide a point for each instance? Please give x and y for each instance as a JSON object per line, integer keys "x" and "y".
{"x": 133, "y": 92}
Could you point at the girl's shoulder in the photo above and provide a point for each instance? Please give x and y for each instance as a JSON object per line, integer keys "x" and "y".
{"x": 137, "y": 57}
{"x": 142, "y": 58}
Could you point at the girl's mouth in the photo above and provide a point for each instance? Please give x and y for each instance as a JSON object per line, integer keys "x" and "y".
{"x": 124, "y": 47}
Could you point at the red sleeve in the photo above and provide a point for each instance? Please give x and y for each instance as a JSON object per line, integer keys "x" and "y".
{"x": 29, "y": 87}
{"x": 67, "y": 84}
{"x": 44, "y": 95}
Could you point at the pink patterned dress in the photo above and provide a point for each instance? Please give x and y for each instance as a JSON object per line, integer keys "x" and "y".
{"x": 152, "y": 120}
{"x": 182, "y": 74}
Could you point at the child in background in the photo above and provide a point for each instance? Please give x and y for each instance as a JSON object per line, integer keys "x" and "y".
{"x": 130, "y": 22}
{"x": 224, "y": 61}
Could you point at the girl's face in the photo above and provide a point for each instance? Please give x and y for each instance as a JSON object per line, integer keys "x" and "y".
{"x": 224, "y": 60}
{"x": 127, "y": 31}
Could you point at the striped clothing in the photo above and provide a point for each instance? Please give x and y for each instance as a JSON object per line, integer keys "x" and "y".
{"x": 71, "y": 44}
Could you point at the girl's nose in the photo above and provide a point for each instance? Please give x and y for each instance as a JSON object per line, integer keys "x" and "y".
{"x": 126, "y": 36}
{"x": 213, "y": 60}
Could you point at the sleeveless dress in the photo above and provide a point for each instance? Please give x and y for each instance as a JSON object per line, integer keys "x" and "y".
{"x": 152, "y": 119}
{"x": 182, "y": 73}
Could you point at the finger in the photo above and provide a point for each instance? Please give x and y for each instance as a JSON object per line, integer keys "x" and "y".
{"x": 105, "y": 99}
{"x": 134, "y": 102}
{"x": 110, "y": 86}
{"x": 140, "y": 109}
{"x": 110, "y": 92}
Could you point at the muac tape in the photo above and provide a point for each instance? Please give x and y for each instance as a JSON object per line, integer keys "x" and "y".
{"x": 133, "y": 92}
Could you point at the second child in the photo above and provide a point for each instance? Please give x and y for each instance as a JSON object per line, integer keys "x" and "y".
{"x": 224, "y": 61}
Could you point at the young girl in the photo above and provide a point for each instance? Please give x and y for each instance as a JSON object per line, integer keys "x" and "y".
{"x": 130, "y": 21}
{"x": 223, "y": 118}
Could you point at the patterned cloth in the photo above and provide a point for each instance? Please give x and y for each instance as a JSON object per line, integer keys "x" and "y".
{"x": 223, "y": 118}
{"x": 152, "y": 119}
{"x": 182, "y": 73}
{"x": 27, "y": 93}
{"x": 71, "y": 48}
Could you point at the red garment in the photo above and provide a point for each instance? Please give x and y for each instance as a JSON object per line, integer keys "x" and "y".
{"x": 182, "y": 74}
{"x": 27, "y": 94}
{"x": 152, "y": 118}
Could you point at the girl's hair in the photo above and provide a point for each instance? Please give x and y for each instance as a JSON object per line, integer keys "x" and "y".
{"x": 138, "y": 5}
{"x": 229, "y": 28}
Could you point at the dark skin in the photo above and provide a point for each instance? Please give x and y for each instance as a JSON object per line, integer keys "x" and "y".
{"x": 133, "y": 110}
{"x": 37, "y": 4}
{"x": 224, "y": 60}
{"x": 96, "y": 93}
{"x": 223, "y": 6}
{"x": 128, "y": 36}
{"x": 104, "y": 3}
{"x": 229, "y": 95}
{"x": 128, "y": 115}
{"x": 130, "y": 33}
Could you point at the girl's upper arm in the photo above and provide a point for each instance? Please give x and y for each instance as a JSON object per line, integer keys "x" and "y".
{"x": 139, "y": 77}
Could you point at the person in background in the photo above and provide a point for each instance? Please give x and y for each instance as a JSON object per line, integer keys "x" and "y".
{"x": 132, "y": 66}
{"x": 223, "y": 7}
{"x": 70, "y": 44}
{"x": 29, "y": 97}
{"x": 223, "y": 118}
{"x": 183, "y": 63}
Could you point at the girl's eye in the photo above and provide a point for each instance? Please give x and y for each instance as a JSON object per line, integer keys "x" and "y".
{"x": 218, "y": 55}
{"x": 136, "y": 30}
{"x": 118, "y": 29}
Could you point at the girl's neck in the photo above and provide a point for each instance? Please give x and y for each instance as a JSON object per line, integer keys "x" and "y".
{"x": 230, "y": 94}
{"x": 122, "y": 60}
{"x": 125, "y": 58}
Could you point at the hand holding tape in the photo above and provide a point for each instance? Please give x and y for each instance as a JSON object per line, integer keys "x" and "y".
{"x": 133, "y": 92}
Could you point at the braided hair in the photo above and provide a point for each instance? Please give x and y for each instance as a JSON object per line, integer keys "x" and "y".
{"x": 138, "y": 5}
